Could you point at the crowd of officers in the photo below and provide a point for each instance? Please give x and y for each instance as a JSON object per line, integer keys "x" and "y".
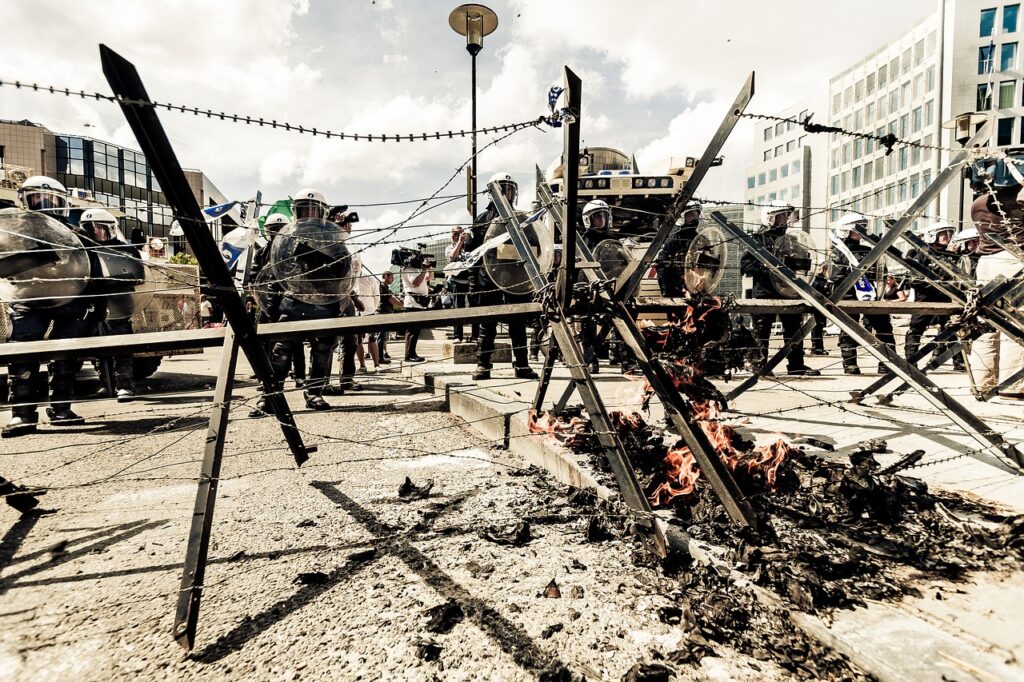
{"x": 996, "y": 210}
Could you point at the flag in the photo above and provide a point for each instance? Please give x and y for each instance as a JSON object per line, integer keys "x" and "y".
{"x": 235, "y": 243}
{"x": 214, "y": 212}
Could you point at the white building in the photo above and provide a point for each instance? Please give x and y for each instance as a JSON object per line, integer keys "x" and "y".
{"x": 962, "y": 57}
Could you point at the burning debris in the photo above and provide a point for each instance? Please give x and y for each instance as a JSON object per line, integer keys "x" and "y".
{"x": 831, "y": 534}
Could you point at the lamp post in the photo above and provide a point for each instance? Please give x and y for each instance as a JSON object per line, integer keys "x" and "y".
{"x": 963, "y": 127}
{"x": 473, "y": 21}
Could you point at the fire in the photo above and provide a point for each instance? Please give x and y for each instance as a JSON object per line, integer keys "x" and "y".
{"x": 757, "y": 468}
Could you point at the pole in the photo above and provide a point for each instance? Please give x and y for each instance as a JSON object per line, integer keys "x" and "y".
{"x": 472, "y": 184}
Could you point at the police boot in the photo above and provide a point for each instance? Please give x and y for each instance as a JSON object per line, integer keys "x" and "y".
{"x": 526, "y": 373}
{"x": 260, "y": 410}
{"x": 19, "y": 426}
{"x": 125, "y": 395}
{"x": 62, "y": 415}
{"x": 315, "y": 401}
{"x": 482, "y": 373}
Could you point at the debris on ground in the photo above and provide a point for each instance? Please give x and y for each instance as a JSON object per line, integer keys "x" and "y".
{"x": 312, "y": 578}
{"x": 517, "y": 535}
{"x": 409, "y": 491}
{"x": 552, "y": 591}
{"x": 428, "y": 650}
{"x": 442, "y": 618}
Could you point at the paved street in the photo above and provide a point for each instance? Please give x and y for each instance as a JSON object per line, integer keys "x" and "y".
{"x": 315, "y": 573}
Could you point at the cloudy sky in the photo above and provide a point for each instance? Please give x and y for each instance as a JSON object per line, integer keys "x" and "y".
{"x": 657, "y": 78}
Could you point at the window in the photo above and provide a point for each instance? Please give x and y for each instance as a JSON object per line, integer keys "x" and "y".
{"x": 835, "y": 157}
{"x": 984, "y": 98}
{"x": 915, "y": 185}
{"x": 894, "y": 101}
{"x": 796, "y": 166}
{"x": 915, "y": 156}
{"x": 778, "y": 150}
{"x": 760, "y": 179}
{"x": 70, "y": 155}
{"x": 1008, "y": 57}
{"x": 791, "y": 145}
{"x": 918, "y": 86}
{"x": 927, "y": 152}
{"x": 847, "y": 121}
{"x": 901, "y": 190}
{"x": 837, "y": 104}
{"x": 926, "y": 179}
{"x": 868, "y": 167}
{"x": 783, "y": 193}
{"x": 883, "y": 71}
{"x": 784, "y": 170}
{"x": 1004, "y": 134}
{"x": 772, "y": 196}
{"x": 858, "y": 148}
{"x": 904, "y": 125}
{"x": 835, "y": 184}
{"x": 904, "y": 158}
{"x": 856, "y": 176}
{"x": 751, "y": 182}
{"x": 891, "y": 128}
{"x": 869, "y": 113}
{"x": 795, "y": 191}
{"x": 906, "y": 61}
{"x": 779, "y": 128}
{"x": 880, "y": 107}
{"x": 929, "y": 112}
{"x": 905, "y": 94}
{"x": 917, "y": 120}
{"x": 847, "y": 96}
{"x": 773, "y": 175}
{"x": 930, "y": 45}
{"x": 801, "y": 141}
{"x": 985, "y": 55}
{"x": 1010, "y": 18}
{"x": 890, "y": 195}
{"x": 1007, "y": 94}
{"x": 986, "y": 26}
{"x": 894, "y": 69}
{"x": 844, "y": 181}
{"x": 930, "y": 79}
{"x": 879, "y": 168}
{"x": 869, "y": 83}
{"x": 767, "y": 154}
{"x": 879, "y": 198}
{"x": 847, "y": 148}
{"x": 767, "y": 133}
{"x": 869, "y": 146}
{"x": 858, "y": 120}
{"x": 803, "y": 115}
{"x": 919, "y": 52}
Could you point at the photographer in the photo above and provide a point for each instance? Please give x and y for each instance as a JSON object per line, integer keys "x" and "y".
{"x": 386, "y": 305}
{"x": 416, "y": 273}
{"x": 458, "y": 285}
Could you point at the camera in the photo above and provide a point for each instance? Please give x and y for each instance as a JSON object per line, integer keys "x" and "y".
{"x": 404, "y": 256}
{"x": 352, "y": 217}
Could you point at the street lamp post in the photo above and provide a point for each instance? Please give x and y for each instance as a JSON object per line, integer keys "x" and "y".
{"x": 473, "y": 21}
{"x": 963, "y": 127}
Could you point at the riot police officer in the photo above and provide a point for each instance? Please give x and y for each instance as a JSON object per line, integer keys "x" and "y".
{"x": 483, "y": 292}
{"x": 847, "y": 252}
{"x": 774, "y": 222}
{"x": 73, "y": 319}
{"x": 307, "y": 204}
{"x": 100, "y": 226}
{"x": 937, "y": 236}
{"x": 966, "y": 244}
{"x": 671, "y": 261}
{"x": 597, "y": 222}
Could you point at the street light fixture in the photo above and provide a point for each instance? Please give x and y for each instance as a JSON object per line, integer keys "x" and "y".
{"x": 473, "y": 21}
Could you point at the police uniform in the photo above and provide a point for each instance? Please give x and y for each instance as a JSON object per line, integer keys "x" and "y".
{"x": 926, "y": 292}
{"x": 880, "y": 325}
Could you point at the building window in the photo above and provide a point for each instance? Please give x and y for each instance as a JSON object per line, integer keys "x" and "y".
{"x": 784, "y": 170}
{"x": 778, "y": 150}
{"x": 1007, "y": 94}
{"x": 918, "y": 120}
{"x": 760, "y": 199}
{"x": 926, "y": 179}
{"x": 987, "y": 25}
{"x": 856, "y": 176}
{"x": 1008, "y": 56}
{"x": 878, "y": 200}
{"x": 70, "y": 155}
{"x": 1004, "y": 135}
{"x": 918, "y": 86}
{"x": 796, "y": 166}
{"x": 869, "y": 113}
{"x": 929, "y": 112}
{"x": 984, "y": 98}
{"x": 890, "y": 195}
{"x": 879, "y": 168}
{"x": 869, "y": 146}
{"x": 751, "y": 182}
{"x": 767, "y": 133}
{"x": 919, "y": 52}
{"x": 906, "y": 61}
{"x": 772, "y": 196}
{"x": 905, "y": 94}
{"x": 835, "y": 185}
{"x": 773, "y": 175}
{"x": 868, "y": 167}
{"x": 985, "y": 55}
{"x": 883, "y": 71}
{"x": 783, "y": 193}
{"x": 844, "y": 181}
{"x": 858, "y": 149}
{"x": 915, "y": 156}
{"x": 927, "y": 147}
{"x": 760, "y": 179}
{"x": 767, "y": 154}
{"x": 904, "y": 158}
{"x": 894, "y": 69}
{"x": 901, "y": 190}
{"x": 835, "y": 157}
{"x": 846, "y": 153}
{"x": 930, "y": 47}
{"x": 837, "y": 104}
{"x": 858, "y": 119}
{"x": 915, "y": 185}
{"x": 880, "y": 108}
{"x": 894, "y": 101}
{"x": 904, "y": 125}
{"x": 779, "y": 128}
{"x": 930, "y": 79}
{"x": 847, "y": 96}
{"x": 869, "y": 83}
{"x": 801, "y": 141}
{"x": 791, "y": 145}
{"x": 1010, "y": 18}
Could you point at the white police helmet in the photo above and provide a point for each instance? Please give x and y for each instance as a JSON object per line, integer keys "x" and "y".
{"x": 309, "y": 203}
{"x": 847, "y": 223}
{"x": 594, "y": 208}
{"x": 46, "y": 195}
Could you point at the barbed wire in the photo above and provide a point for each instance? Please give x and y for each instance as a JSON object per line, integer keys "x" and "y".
{"x": 261, "y": 122}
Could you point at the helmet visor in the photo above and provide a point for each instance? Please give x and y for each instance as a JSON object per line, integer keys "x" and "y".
{"x": 45, "y": 201}
{"x": 510, "y": 190}
{"x": 305, "y": 209}
{"x": 100, "y": 232}
{"x": 599, "y": 220}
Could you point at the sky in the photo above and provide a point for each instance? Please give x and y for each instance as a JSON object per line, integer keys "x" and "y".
{"x": 658, "y": 76}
